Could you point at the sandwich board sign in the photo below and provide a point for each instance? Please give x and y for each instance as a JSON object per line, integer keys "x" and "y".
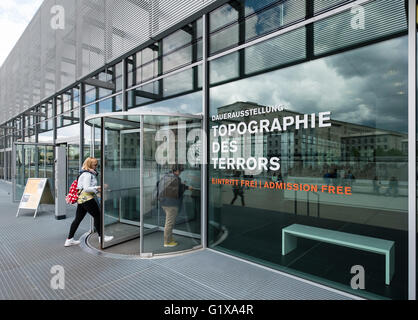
{"x": 37, "y": 192}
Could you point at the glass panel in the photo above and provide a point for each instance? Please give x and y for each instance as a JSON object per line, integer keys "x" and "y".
{"x": 33, "y": 161}
{"x": 121, "y": 180}
{"x": 173, "y": 217}
{"x": 351, "y": 28}
{"x": 222, "y": 16}
{"x": 224, "y": 39}
{"x": 42, "y": 161}
{"x": 20, "y": 173}
{"x": 279, "y": 51}
{"x": 105, "y": 106}
{"x": 92, "y": 140}
{"x": 273, "y": 17}
{"x": 177, "y": 59}
{"x": 224, "y": 69}
{"x": 46, "y": 137}
{"x": 241, "y": 21}
{"x": 49, "y": 167}
{"x": 9, "y": 169}
{"x": 321, "y": 5}
{"x": 69, "y": 133}
{"x": 176, "y": 40}
{"x": 27, "y": 156}
{"x": 191, "y": 104}
{"x": 90, "y": 94}
{"x": 180, "y": 83}
{"x": 2, "y": 165}
{"x": 350, "y": 176}
{"x": 148, "y": 71}
{"x": 91, "y": 110}
{"x": 73, "y": 162}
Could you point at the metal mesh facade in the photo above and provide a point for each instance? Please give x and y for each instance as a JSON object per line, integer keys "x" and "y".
{"x": 47, "y": 59}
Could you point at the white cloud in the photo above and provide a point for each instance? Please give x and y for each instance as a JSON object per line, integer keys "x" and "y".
{"x": 15, "y": 16}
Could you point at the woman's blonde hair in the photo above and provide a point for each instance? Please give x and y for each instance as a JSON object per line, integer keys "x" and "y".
{"x": 88, "y": 163}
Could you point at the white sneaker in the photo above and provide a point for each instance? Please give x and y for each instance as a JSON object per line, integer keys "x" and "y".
{"x": 71, "y": 242}
{"x": 107, "y": 238}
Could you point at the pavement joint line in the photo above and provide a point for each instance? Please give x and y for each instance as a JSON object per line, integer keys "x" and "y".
{"x": 11, "y": 254}
{"x": 200, "y": 283}
{"x": 9, "y": 284}
{"x": 109, "y": 283}
{"x": 288, "y": 275}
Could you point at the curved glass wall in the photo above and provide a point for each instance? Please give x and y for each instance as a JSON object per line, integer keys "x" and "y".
{"x": 149, "y": 206}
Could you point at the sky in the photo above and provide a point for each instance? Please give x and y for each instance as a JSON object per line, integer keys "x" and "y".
{"x": 15, "y": 15}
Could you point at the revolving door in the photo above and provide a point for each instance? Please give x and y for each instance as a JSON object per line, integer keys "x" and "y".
{"x": 138, "y": 151}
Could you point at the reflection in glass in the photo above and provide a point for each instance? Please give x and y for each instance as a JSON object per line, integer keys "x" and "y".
{"x": 182, "y": 212}
{"x": 180, "y": 83}
{"x": 339, "y": 31}
{"x": 190, "y": 103}
{"x": 177, "y": 59}
{"x": 271, "y": 17}
{"x": 73, "y": 162}
{"x": 176, "y": 40}
{"x": 225, "y": 68}
{"x": 122, "y": 180}
{"x": 33, "y": 161}
{"x": 364, "y": 149}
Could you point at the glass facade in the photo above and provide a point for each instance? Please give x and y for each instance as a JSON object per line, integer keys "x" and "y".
{"x": 340, "y": 185}
{"x": 367, "y": 154}
{"x": 32, "y": 161}
{"x": 306, "y": 104}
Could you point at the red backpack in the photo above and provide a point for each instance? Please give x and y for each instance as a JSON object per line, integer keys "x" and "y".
{"x": 72, "y": 196}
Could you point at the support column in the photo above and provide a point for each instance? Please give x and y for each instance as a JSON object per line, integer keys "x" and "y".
{"x": 205, "y": 147}
{"x": 23, "y": 128}
{"x": 82, "y": 118}
{"x": 124, "y": 84}
{"x": 310, "y": 30}
{"x": 54, "y": 119}
{"x": 412, "y": 139}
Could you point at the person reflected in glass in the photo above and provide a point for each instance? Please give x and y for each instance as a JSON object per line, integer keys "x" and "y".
{"x": 237, "y": 189}
{"x": 334, "y": 177}
{"x": 170, "y": 194}
{"x": 376, "y": 185}
{"x": 327, "y": 178}
{"x": 349, "y": 178}
{"x": 276, "y": 177}
{"x": 393, "y": 188}
{"x": 88, "y": 191}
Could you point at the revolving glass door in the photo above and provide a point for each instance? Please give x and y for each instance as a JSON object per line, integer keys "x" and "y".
{"x": 139, "y": 151}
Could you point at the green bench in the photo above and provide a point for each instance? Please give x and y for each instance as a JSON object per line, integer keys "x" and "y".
{"x": 386, "y": 247}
